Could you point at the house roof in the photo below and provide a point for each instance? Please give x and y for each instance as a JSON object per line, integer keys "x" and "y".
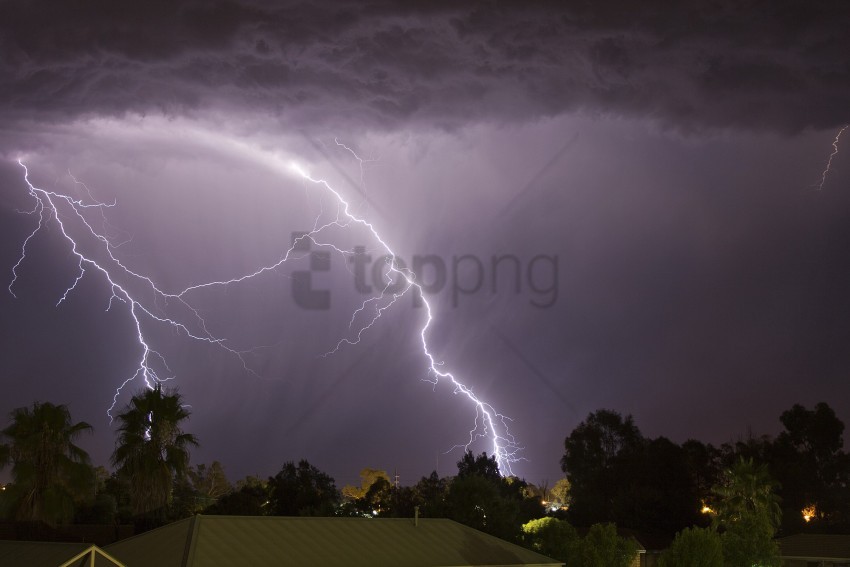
{"x": 815, "y": 546}
{"x": 50, "y": 554}
{"x": 210, "y": 541}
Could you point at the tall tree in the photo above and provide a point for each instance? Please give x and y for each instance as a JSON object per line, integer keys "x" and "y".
{"x": 657, "y": 494}
{"x": 481, "y": 465}
{"x": 209, "y": 484}
{"x": 748, "y": 512}
{"x": 302, "y": 490}
{"x": 811, "y": 466}
{"x": 746, "y": 488}
{"x": 49, "y": 470}
{"x": 599, "y": 454}
{"x": 703, "y": 463}
{"x": 481, "y": 498}
{"x": 430, "y": 495}
{"x": 152, "y": 449}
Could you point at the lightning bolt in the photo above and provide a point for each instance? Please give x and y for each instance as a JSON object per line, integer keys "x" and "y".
{"x": 832, "y": 155}
{"x": 488, "y": 422}
{"x": 63, "y": 209}
{"x": 148, "y": 304}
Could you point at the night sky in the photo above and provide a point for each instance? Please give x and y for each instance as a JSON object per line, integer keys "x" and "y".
{"x": 654, "y": 172}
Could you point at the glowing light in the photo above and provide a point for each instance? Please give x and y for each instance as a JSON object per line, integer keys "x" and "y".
{"x": 809, "y": 513}
{"x": 95, "y": 251}
{"x": 706, "y": 509}
{"x": 832, "y": 155}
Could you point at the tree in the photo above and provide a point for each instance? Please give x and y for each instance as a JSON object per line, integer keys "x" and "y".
{"x": 549, "y": 536}
{"x": 376, "y": 498}
{"x": 250, "y": 498}
{"x": 482, "y": 465}
{"x": 704, "y": 467}
{"x": 152, "y": 449}
{"x": 560, "y": 493}
{"x": 481, "y": 498}
{"x": 49, "y": 471}
{"x": 368, "y": 477}
{"x": 474, "y": 501}
{"x": 430, "y": 495}
{"x": 694, "y": 547}
{"x": 817, "y": 432}
{"x": 811, "y": 466}
{"x": 747, "y": 510}
{"x": 746, "y": 488}
{"x": 654, "y": 492}
{"x": 302, "y": 490}
{"x": 103, "y": 507}
{"x": 602, "y": 547}
{"x": 599, "y": 456}
{"x": 749, "y": 541}
{"x": 209, "y": 484}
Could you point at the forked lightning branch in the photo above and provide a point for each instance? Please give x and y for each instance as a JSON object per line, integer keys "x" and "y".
{"x": 96, "y": 254}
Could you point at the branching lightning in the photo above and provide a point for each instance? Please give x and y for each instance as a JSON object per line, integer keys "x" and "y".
{"x": 488, "y": 422}
{"x": 832, "y": 155}
{"x": 95, "y": 251}
{"x": 63, "y": 209}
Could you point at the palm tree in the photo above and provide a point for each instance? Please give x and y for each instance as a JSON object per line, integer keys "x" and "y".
{"x": 152, "y": 449}
{"x": 49, "y": 471}
{"x": 747, "y": 488}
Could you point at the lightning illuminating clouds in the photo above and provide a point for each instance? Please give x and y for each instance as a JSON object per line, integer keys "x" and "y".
{"x": 62, "y": 209}
{"x": 659, "y": 153}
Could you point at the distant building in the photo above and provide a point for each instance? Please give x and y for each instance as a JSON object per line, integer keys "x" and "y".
{"x": 815, "y": 550}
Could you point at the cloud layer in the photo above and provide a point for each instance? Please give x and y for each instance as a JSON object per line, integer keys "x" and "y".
{"x": 753, "y": 65}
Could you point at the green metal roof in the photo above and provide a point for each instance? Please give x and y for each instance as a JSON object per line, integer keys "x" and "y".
{"x": 50, "y": 554}
{"x": 212, "y": 541}
{"x": 35, "y": 553}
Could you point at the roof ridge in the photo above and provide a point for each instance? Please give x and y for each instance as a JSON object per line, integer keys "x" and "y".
{"x": 189, "y": 549}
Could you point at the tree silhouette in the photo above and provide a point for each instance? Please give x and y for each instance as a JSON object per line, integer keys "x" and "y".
{"x": 746, "y": 488}
{"x": 302, "y": 490}
{"x": 49, "y": 471}
{"x": 748, "y": 511}
{"x": 152, "y": 449}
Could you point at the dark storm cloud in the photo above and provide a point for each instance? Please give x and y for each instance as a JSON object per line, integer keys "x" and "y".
{"x": 757, "y": 65}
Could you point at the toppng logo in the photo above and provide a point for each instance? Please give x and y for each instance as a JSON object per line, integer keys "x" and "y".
{"x": 465, "y": 275}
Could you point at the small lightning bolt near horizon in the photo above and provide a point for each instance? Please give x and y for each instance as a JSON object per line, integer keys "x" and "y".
{"x": 831, "y": 156}
{"x": 148, "y": 304}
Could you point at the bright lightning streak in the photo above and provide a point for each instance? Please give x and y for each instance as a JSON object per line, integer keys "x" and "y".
{"x": 152, "y": 366}
{"x": 488, "y": 422}
{"x": 832, "y": 155}
{"x": 63, "y": 209}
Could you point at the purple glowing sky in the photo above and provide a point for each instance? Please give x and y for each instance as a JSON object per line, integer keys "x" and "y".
{"x": 667, "y": 158}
